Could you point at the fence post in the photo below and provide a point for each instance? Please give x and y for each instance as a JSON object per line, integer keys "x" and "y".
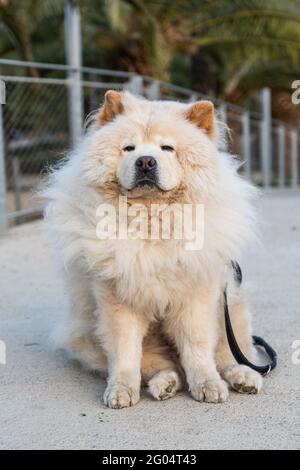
{"x": 281, "y": 155}
{"x": 223, "y": 117}
{"x": 266, "y": 140}
{"x": 246, "y": 143}
{"x": 223, "y": 113}
{"x": 74, "y": 61}
{"x": 153, "y": 90}
{"x": 294, "y": 157}
{"x": 3, "y": 209}
{"x": 193, "y": 97}
{"x": 135, "y": 85}
{"x": 17, "y": 183}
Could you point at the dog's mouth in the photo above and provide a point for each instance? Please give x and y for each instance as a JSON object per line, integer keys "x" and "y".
{"x": 145, "y": 187}
{"x": 147, "y": 183}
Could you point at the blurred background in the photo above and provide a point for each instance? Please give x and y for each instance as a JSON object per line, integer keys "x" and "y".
{"x": 58, "y": 57}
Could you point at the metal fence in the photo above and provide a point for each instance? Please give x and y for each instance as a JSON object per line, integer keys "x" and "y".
{"x": 45, "y": 109}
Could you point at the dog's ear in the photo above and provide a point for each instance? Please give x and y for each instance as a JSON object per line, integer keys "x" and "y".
{"x": 202, "y": 114}
{"x": 111, "y": 108}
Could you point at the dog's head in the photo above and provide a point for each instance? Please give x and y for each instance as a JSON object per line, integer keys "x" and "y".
{"x": 151, "y": 149}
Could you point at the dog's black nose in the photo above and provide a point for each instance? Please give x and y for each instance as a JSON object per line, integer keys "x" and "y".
{"x": 146, "y": 163}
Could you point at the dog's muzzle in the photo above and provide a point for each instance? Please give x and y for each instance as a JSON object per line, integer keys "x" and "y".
{"x": 146, "y": 172}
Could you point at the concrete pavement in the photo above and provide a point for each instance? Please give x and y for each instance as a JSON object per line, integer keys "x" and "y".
{"x": 47, "y": 402}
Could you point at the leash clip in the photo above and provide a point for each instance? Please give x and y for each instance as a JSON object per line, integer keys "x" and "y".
{"x": 268, "y": 371}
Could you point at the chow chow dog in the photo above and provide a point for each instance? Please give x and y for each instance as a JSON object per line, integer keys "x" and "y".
{"x": 147, "y": 310}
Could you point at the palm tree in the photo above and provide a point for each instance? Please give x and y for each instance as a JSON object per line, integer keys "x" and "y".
{"x": 230, "y": 46}
{"x": 18, "y": 22}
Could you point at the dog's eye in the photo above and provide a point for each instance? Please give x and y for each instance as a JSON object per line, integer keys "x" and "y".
{"x": 129, "y": 148}
{"x": 167, "y": 148}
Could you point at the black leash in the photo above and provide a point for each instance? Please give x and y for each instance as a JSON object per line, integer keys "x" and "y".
{"x": 257, "y": 341}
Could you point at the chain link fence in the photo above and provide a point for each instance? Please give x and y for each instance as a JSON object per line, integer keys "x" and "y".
{"x": 36, "y": 133}
{"x": 37, "y": 128}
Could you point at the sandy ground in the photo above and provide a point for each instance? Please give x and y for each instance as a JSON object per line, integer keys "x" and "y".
{"x": 47, "y": 402}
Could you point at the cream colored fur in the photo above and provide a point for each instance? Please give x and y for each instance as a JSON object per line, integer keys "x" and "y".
{"x": 145, "y": 309}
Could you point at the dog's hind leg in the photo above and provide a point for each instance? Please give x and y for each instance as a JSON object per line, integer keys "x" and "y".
{"x": 77, "y": 335}
{"x": 160, "y": 369}
{"x": 241, "y": 378}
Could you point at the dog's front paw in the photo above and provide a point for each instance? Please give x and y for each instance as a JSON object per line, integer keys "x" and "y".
{"x": 164, "y": 384}
{"x": 211, "y": 391}
{"x": 242, "y": 379}
{"x": 119, "y": 396}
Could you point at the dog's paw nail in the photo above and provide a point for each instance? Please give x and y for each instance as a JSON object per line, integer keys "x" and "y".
{"x": 120, "y": 396}
{"x": 243, "y": 388}
{"x": 211, "y": 391}
{"x": 164, "y": 384}
{"x": 242, "y": 379}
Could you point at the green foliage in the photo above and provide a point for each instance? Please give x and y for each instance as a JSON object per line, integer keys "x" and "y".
{"x": 246, "y": 44}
